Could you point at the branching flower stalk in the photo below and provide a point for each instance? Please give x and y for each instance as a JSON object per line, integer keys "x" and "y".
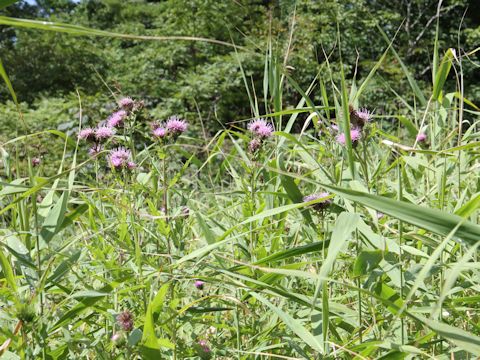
{"x": 166, "y": 134}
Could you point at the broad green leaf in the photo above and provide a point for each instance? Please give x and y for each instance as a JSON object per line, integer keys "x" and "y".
{"x": 207, "y": 232}
{"x": 430, "y": 219}
{"x": 7, "y": 270}
{"x": 53, "y": 222}
{"x": 345, "y": 225}
{"x": 463, "y": 339}
{"x": 442, "y": 72}
{"x": 366, "y": 261}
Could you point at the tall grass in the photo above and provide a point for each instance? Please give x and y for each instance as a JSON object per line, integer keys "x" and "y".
{"x": 386, "y": 267}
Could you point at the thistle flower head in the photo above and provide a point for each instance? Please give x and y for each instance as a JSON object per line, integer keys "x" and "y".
{"x": 117, "y": 119}
{"x": 104, "y": 133}
{"x": 421, "y": 137}
{"x": 126, "y": 103}
{"x": 199, "y": 284}
{"x": 95, "y": 150}
{"x": 86, "y": 134}
{"x": 254, "y": 145}
{"x": 355, "y": 135}
{"x": 176, "y": 126}
{"x": 321, "y": 204}
{"x": 125, "y": 320}
{"x": 159, "y": 132}
{"x": 364, "y": 115}
{"x": 204, "y": 346}
{"x": 119, "y": 158}
{"x": 260, "y": 128}
{"x": 36, "y": 161}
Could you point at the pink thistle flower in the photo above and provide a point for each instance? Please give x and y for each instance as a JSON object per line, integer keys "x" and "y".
{"x": 254, "y": 145}
{"x": 421, "y": 137}
{"x": 176, "y": 126}
{"x": 159, "y": 132}
{"x": 199, "y": 284}
{"x": 334, "y": 127}
{"x": 104, "y": 132}
{"x": 260, "y": 128}
{"x": 126, "y": 103}
{"x": 117, "y": 118}
{"x": 321, "y": 204}
{"x": 355, "y": 135}
{"x": 95, "y": 150}
{"x": 204, "y": 346}
{"x": 36, "y": 161}
{"x": 364, "y": 115}
{"x": 115, "y": 337}
{"x": 86, "y": 134}
{"x": 125, "y": 320}
{"x": 131, "y": 165}
{"x": 119, "y": 158}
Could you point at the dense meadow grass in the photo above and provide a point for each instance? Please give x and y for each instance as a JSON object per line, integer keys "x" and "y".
{"x": 354, "y": 236}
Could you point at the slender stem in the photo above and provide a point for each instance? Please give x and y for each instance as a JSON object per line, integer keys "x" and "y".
{"x": 253, "y": 238}
{"x": 359, "y": 293}
{"x": 400, "y": 240}
{"x": 169, "y": 248}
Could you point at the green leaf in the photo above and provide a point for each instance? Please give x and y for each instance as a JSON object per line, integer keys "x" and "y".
{"x": 134, "y": 337}
{"x": 442, "y": 73}
{"x": 5, "y": 3}
{"x": 7, "y": 271}
{"x": 345, "y": 225}
{"x": 3, "y": 73}
{"x": 85, "y": 31}
{"x": 463, "y": 339}
{"x": 294, "y": 325}
{"x": 53, "y": 222}
{"x": 207, "y": 232}
{"x": 366, "y": 261}
{"x": 430, "y": 219}
{"x": 469, "y": 207}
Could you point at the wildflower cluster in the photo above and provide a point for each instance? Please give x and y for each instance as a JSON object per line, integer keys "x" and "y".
{"x": 261, "y": 130}
{"x": 172, "y": 128}
{"x": 120, "y": 157}
{"x": 359, "y": 119}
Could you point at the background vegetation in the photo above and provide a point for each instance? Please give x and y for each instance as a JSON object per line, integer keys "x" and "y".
{"x": 205, "y": 248}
